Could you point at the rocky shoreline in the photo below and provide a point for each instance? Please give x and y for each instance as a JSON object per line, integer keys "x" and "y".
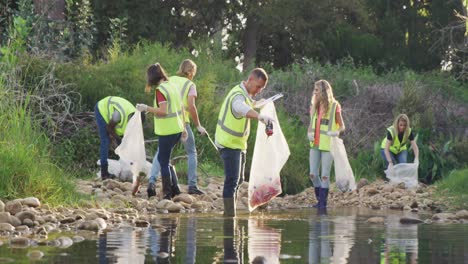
{"x": 26, "y": 222}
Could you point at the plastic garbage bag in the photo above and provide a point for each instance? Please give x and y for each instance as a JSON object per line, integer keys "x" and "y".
{"x": 122, "y": 169}
{"x": 132, "y": 149}
{"x": 343, "y": 173}
{"x": 404, "y": 172}
{"x": 269, "y": 156}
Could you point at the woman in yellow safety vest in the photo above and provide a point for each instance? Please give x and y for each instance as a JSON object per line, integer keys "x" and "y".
{"x": 168, "y": 124}
{"x": 325, "y": 122}
{"x": 394, "y": 145}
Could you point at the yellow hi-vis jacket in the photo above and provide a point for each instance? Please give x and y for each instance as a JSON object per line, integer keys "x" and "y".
{"x": 396, "y": 146}
{"x": 233, "y": 132}
{"x": 183, "y": 85}
{"x": 108, "y": 105}
{"x": 172, "y": 123}
{"x": 327, "y": 123}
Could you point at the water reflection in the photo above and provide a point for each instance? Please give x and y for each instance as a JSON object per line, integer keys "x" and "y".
{"x": 400, "y": 244}
{"x": 264, "y": 242}
{"x": 307, "y": 236}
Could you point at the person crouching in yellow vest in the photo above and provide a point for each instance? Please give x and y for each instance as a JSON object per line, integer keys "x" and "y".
{"x": 168, "y": 124}
{"x": 394, "y": 145}
{"x": 232, "y": 132}
{"x": 325, "y": 122}
{"x": 112, "y": 114}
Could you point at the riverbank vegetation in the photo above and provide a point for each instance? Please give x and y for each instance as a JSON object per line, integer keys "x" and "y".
{"x": 48, "y": 129}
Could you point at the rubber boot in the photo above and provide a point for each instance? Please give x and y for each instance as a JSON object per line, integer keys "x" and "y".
{"x": 174, "y": 181}
{"x": 317, "y": 196}
{"x": 229, "y": 207}
{"x": 167, "y": 187}
{"x": 105, "y": 173}
{"x": 323, "y": 194}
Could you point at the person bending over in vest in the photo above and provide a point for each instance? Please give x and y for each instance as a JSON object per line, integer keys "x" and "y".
{"x": 232, "y": 132}
{"x": 394, "y": 145}
{"x": 325, "y": 122}
{"x": 188, "y": 91}
{"x": 168, "y": 124}
{"x": 112, "y": 114}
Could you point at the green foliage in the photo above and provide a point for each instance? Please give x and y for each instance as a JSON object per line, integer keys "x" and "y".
{"x": 118, "y": 35}
{"x": 26, "y": 168}
{"x": 454, "y": 188}
{"x": 73, "y": 153}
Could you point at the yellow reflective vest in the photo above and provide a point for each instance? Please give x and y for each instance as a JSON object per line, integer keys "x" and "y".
{"x": 233, "y": 132}
{"x": 183, "y": 85}
{"x": 396, "y": 146}
{"x": 327, "y": 123}
{"x": 172, "y": 123}
{"x": 108, "y": 105}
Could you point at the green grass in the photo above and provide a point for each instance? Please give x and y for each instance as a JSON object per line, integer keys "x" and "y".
{"x": 455, "y": 188}
{"x": 26, "y": 168}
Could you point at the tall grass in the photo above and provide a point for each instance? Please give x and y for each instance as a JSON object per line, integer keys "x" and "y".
{"x": 455, "y": 188}
{"x": 26, "y": 169}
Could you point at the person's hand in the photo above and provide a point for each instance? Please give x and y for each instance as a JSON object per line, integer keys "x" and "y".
{"x": 259, "y": 102}
{"x": 333, "y": 133}
{"x": 265, "y": 119}
{"x": 142, "y": 107}
{"x": 390, "y": 166}
{"x": 416, "y": 161}
{"x": 201, "y": 130}
{"x": 184, "y": 136}
{"x": 311, "y": 136}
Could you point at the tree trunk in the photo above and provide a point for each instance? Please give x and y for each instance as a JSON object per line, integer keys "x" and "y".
{"x": 250, "y": 42}
{"x": 52, "y": 9}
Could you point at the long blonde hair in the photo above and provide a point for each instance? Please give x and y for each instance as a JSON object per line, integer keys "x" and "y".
{"x": 187, "y": 68}
{"x": 326, "y": 95}
{"x": 404, "y": 118}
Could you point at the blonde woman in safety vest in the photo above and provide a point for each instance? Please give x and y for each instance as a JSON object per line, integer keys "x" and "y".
{"x": 325, "y": 122}
{"x": 394, "y": 145}
{"x": 112, "y": 114}
{"x": 188, "y": 92}
{"x": 233, "y": 130}
{"x": 168, "y": 124}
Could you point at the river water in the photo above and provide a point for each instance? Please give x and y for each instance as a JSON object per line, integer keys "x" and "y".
{"x": 340, "y": 235}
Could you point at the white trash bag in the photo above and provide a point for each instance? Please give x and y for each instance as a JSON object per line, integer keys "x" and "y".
{"x": 122, "y": 169}
{"x": 343, "y": 173}
{"x": 404, "y": 172}
{"x": 269, "y": 156}
{"x": 132, "y": 150}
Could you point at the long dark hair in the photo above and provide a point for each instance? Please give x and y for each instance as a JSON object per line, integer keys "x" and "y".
{"x": 154, "y": 76}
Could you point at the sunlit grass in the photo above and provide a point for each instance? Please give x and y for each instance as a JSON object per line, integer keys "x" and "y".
{"x": 454, "y": 187}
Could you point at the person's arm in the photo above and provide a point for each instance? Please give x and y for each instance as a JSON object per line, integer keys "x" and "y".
{"x": 387, "y": 152}
{"x": 312, "y": 113}
{"x": 339, "y": 120}
{"x": 414, "y": 145}
{"x": 111, "y": 130}
{"x": 192, "y": 109}
{"x": 161, "y": 110}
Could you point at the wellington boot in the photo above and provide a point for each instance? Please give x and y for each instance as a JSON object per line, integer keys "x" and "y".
{"x": 174, "y": 181}
{"x": 229, "y": 207}
{"x": 317, "y": 196}
{"x": 323, "y": 198}
{"x": 167, "y": 187}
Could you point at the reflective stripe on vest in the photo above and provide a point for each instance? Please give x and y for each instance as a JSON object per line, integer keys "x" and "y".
{"x": 327, "y": 123}
{"x": 183, "y": 84}
{"x": 233, "y": 132}
{"x": 172, "y": 122}
{"x": 396, "y": 146}
{"x": 108, "y": 105}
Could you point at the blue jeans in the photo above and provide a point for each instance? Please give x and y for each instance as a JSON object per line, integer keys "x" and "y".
{"x": 105, "y": 139}
{"x": 316, "y": 157}
{"x": 192, "y": 160}
{"x": 166, "y": 145}
{"x": 401, "y": 157}
{"x": 234, "y": 164}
